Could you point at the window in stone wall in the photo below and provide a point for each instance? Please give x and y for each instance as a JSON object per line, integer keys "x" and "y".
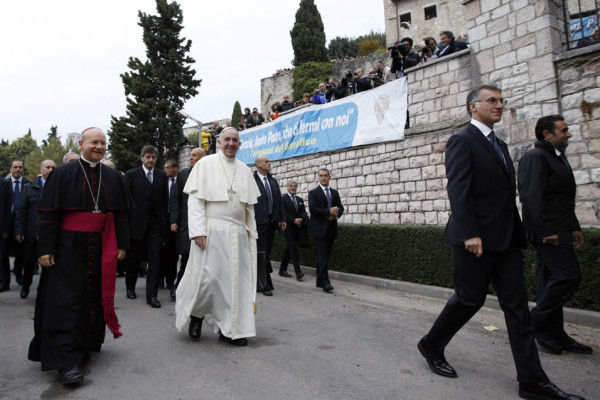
{"x": 581, "y": 20}
{"x": 430, "y": 12}
{"x": 405, "y": 18}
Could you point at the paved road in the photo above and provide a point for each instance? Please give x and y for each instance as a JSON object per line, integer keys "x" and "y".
{"x": 359, "y": 343}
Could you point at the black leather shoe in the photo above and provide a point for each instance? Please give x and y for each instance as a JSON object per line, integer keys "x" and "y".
{"x": 195, "y": 328}
{"x": 570, "y": 344}
{"x": 284, "y": 274}
{"x": 172, "y": 293}
{"x": 300, "y": 276}
{"x": 236, "y": 342}
{"x": 69, "y": 376}
{"x": 24, "y": 292}
{"x": 153, "y": 302}
{"x": 328, "y": 288}
{"x": 549, "y": 345}
{"x": 544, "y": 391}
{"x": 438, "y": 364}
{"x": 131, "y": 294}
{"x": 267, "y": 292}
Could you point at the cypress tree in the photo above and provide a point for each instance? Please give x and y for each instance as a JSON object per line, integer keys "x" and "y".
{"x": 235, "y": 116}
{"x": 308, "y": 35}
{"x": 156, "y": 89}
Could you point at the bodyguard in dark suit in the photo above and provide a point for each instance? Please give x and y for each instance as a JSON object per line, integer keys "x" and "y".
{"x": 26, "y": 223}
{"x": 12, "y": 246}
{"x": 168, "y": 252}
{"x": 179, "y": 212}
{"x": 486, "y": 235}
{"x": 296, "y": 221}
{"x": 148, "y": 222}
{"x": 5, "y": 217}
{"x": 325, "y": 208}
{"x": 547, "y": 190}
{"x": 268, "y": 214}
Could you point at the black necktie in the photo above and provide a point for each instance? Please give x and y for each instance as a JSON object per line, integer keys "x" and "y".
{"x": 269, "y": 195}
{"x": 171, "y": 194}
{"x": 294, "y": 201}
{"x": 565, "y": 161}
{"x": 328, "y": 197}
{"x": 17, "y": 195}
{"x": 494, "y": 142}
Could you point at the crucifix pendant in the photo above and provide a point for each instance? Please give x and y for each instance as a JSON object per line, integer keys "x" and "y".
{"x": 231, "y": 191}
{"x": 96, "y": 210}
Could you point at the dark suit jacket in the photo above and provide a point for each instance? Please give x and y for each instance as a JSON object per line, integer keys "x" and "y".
{"x": 150, "y": 200}
{"x": 482, "y": 192}
{"x": 290, "y": 212}
{"x": 261, "y": 209}
{"x": 455, "y": 46}
{"x": 26, "y": 218}
{"x": 5, "y": 205}
{"x": 12, "y": 193}
{"x": 319, "y": 211}
{"x": 547, "y": 190}
{"x": 179, "y": 212}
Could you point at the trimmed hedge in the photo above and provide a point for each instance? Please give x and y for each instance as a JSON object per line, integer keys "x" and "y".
{"x": 419, "y": 254}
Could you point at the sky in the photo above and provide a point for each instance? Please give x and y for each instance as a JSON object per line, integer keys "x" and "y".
{"x": 62, "y": 59}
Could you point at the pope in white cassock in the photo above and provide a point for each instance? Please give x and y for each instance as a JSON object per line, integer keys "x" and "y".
{"x": 219, "y": 284}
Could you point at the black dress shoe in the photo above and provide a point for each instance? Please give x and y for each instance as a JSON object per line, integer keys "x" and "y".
{"x": 544, "y": 391}
{"x": 69, "y": 376}
{"x": 570, "y": 344}
{"x": 24, "y": 292}
{"x": 131, "y": 294}
{"x": 438, "y": 364}
{"x": 236, "y": 342}
{"x": 299, "y": 276}
{"x": 153, "y": 302}
{"x": 195, "y": 328}
{"x": 284, "y": 274}
{"x": 267, "y": 292}
{"x": 327, "y": 288}
{"x": 4, "y": 289}
{"x": 549, "y": 344}
{"x": 172, "y": 293}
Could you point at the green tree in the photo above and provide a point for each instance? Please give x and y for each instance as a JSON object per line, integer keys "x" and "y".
{"x": 308, "y": 35}
{"x": 236, "y": 114}
{"x": 18, "y": 149}
{"x": 155, "y": 89}
{"x": 371, "y": 43}
{"x": 367, "y": 48}
{"x": 194, "y": 138}
{"x": 52, "y": 134}
{"x": 341, "y": 47}
{"x": 308, "y": 76}
{"x": 53, "y": 150}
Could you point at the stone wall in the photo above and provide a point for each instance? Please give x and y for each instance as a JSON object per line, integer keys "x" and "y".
{"x": 517, "y": 45}
{"x": 579, "y": 85}
{"x": 450, "y": 17}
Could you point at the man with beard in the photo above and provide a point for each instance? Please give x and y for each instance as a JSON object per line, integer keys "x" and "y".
{"x": 547, "y": 190}
{"x": 26, "y": 223}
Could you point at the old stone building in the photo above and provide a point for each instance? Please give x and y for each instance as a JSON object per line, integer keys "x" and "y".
{"x": 520, "y": 45}
{"x": 426, "y": 18}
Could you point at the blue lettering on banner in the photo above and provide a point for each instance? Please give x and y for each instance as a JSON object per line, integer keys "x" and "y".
{"x": 308, "y": 132}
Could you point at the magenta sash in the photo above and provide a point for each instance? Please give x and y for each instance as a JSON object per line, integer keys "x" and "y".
{"x": 79, "y": 221}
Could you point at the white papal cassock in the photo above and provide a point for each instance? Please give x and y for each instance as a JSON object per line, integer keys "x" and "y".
{"x": 219, "y": 283}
